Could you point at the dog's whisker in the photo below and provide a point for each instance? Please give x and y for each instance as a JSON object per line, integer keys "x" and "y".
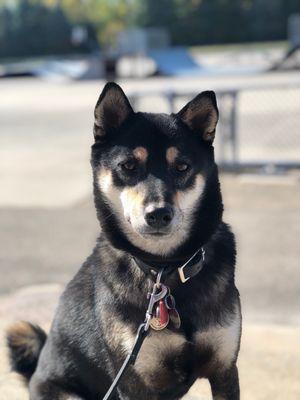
{"x": 108, "y": 216}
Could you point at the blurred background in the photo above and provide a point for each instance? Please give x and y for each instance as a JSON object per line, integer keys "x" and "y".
{"x": 55, "y": 57}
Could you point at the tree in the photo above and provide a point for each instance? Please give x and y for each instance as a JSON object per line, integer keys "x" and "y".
{"x": 32, "y": 29}
{"x": 107, "y": 17}
{"x": 44, "y": 26}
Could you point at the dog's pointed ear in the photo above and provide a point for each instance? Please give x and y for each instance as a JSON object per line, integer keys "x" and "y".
{"x": 201, "y": 115}
{"x": 111, "y": 111}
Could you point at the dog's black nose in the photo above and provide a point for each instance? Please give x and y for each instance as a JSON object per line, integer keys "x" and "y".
{"x": 159, "y": 217}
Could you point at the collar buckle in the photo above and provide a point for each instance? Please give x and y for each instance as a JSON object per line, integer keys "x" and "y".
{"x": 189, "y": 269}
{"x": 182, "y": 276}
{"x": 183, "y": 270}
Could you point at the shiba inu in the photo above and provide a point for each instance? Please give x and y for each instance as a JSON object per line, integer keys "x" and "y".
{"x": 158, "y": 200}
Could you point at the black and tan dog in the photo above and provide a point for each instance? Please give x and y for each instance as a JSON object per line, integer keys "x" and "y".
{"x": 158, "y": 201}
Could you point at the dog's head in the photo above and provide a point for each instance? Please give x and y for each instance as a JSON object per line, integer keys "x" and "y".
{"x": 155, "y": 181}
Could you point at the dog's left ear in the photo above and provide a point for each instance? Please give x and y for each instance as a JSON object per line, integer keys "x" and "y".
{"x": 111, "y": 111}
{"x": 201, "y": 115}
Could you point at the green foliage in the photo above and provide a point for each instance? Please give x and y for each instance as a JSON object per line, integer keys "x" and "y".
{"x": 107, "y": 17}
{"x": 192, "y": 22}
{"x": 34, "y": 27}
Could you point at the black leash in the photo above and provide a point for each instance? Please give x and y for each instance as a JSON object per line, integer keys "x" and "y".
{"x": 189, "y": 269}
{"x": 158, "y": 292}
{"x": 129, "y": 360}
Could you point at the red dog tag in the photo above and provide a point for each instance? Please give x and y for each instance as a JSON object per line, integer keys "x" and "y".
{"x": 161, "y": 318}
{"x": 163, "y": 313}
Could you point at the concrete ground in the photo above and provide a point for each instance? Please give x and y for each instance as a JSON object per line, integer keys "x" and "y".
{"x": 48, "y": 227}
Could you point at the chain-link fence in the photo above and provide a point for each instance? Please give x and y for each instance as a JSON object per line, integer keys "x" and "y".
{"x": 258, "y": 126}
{"x": 269, "y": 126}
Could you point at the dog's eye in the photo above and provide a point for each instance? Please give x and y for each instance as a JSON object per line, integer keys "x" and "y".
{"x": 181, "y": 167}
{"x": 129, "y": 165}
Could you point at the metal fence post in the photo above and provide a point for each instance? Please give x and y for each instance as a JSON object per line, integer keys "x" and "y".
{"x": 233, "y": 130}
{"x": 170, "y": 95}
{"x": 222, "y": 132}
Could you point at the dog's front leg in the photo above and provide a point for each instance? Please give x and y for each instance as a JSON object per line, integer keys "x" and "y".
{"x": 225, "y": 384}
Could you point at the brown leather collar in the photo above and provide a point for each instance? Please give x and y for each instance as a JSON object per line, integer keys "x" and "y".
{"x": 186, "y": 271}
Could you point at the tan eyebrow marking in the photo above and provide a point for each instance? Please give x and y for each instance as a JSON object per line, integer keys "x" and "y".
{"x": 171, "y": 154}
{"x": 140, "y": 153}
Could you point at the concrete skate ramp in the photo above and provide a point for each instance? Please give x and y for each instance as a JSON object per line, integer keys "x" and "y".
{"x": 175, "y": 61}
{"x": 56, "y": 68}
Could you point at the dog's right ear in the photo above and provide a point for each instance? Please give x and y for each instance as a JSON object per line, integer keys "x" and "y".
{"x": 111, "y": 111}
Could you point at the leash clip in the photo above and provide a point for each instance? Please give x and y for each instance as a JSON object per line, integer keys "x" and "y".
{"x": 154, "y": 297}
